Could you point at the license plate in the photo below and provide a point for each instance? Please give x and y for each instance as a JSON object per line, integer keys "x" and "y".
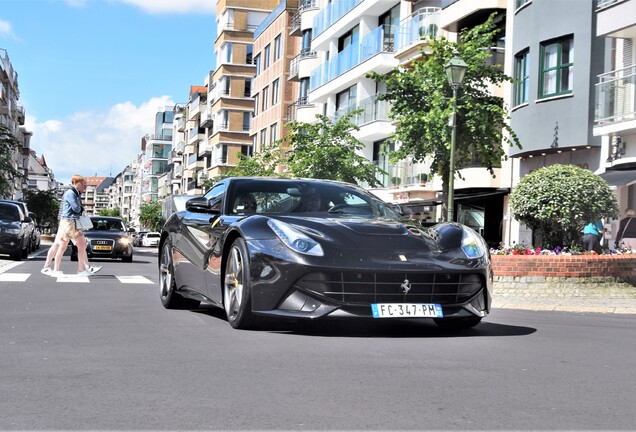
{"x": 104, "y": 248}
{"x": 406, "y": 310}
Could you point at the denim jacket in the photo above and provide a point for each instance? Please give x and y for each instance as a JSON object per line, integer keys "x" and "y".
{"x": 72, "y": 204}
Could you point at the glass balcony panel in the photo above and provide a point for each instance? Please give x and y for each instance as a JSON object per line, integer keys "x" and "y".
{"x": 616, "y": 96}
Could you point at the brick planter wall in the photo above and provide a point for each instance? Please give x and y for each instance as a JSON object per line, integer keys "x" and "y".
{"x": 580, "y": 266}
{"x": 557, "y": 277}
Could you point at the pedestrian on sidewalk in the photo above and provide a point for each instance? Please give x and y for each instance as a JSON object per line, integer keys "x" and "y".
{"x": 592, "y": 235}
{"x": 70, "y": 229}
{"x": 626, "y": 234}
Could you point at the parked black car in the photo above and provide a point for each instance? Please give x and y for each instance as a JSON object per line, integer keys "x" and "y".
{"x": 15, "y": 234}
{"x": 138, "y": 240}
{"x": 30, "y": 226}
{"x": 109, "y": 238}
{"x": 308, "y": 249}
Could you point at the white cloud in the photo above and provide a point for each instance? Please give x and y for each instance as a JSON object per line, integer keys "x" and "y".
{"x": 94, "y": 143}
{"x": 5, "y": 28}
{"x": 172, "y": 6}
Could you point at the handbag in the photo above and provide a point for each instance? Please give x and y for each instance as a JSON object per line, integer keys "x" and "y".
{"x": 85, "y": 223}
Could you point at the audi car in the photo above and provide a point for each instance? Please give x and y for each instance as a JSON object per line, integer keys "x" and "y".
{"x": 108, "y": 238}
{"x": 313, "y": 249}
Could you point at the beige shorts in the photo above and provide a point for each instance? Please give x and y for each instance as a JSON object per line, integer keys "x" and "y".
{"x": 67, "y": 230}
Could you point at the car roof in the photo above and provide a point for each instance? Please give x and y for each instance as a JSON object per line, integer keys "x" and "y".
{"x": 13, "y": 204}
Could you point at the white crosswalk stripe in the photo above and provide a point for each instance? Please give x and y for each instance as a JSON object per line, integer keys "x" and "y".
{"x": 73, "y": 278}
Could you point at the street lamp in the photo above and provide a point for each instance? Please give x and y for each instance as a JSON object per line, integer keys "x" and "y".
{"x": 455, "y": 70}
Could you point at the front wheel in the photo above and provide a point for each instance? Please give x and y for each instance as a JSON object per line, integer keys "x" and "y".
{"x": 167, "y": 283}
{"x": 236, "y": 287}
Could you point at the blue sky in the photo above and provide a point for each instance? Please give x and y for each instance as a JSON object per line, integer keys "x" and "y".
{"x": 93, "y": 73}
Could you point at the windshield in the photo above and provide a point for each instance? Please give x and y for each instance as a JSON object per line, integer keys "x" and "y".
{"x": 101, "y": 224}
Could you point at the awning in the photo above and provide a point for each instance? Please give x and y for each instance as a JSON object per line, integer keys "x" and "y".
{"x": 619, "y": 178}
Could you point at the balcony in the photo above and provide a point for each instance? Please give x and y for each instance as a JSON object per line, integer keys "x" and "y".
{"x": 298, "y": 22}
{"x": 373, "y": 43}
{"x": 295, "y": 70}
{"x": 414, "y": 30}
{"x": 207, "y": 119}
{"x": 615, "y": 98}
{"x": 332, "y": 13}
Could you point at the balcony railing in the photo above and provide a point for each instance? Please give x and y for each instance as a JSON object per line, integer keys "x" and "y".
{"x": 423, "y": 23}
{"x": 332, "y": 13}
{"x": 372, "y": 110}
{"x": 616, "y": 96}
{"x": 293, "y": 64}
{"x": 375, "y": 42}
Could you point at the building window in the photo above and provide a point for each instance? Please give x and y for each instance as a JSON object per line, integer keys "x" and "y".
{"x": 247, "y": 121}
{"x": 257, "y": 63}
{"x": 304, "y": 91}
{"x": 272, "y": 133}
{"x": 346, "y": 101}
{"x": 522, "y": 77}
{"x": 275, "y": 86}
{"x": 557, "y": 63}
{"x": 277, "y": 48}
{"x": 228, "y": 53}
{"x": 265, "y": 98}
{"x": 266, "y": 57}
{"x": 519, "y": 3}
{"x": 249, "y": 52}
{"x": 263, "y": 137}
{"x": 247, "y": 89}
{"x": 256, "y": 106}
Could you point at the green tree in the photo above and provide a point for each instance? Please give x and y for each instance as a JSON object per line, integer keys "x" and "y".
{"x": 45, "y": 205}
{"x": 324, "y": 150}
{"x": 328, "y": 150}
{"x": 422, "y": 103}
{"x": 113, "y": 212}
{"x": 558, "y": 200}
{"x": 9, "y": 145}
{"x": 150, "y": 215}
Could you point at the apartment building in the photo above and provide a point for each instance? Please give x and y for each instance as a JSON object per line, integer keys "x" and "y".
{"x": 555, "y": 55}
{"x": 97, "y": 195}
{"x": 121, "y": 192}
{"x": 615, "y": 99}
{"x": 12, "y": 116}
{"x": 275, "y": 45}
{"x": 230, "y": 104}
{"x": 41, "y": 177}
{"x": 155, "y": 153}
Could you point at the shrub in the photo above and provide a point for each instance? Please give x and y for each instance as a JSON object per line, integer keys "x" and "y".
{"x": 559, "y": 200}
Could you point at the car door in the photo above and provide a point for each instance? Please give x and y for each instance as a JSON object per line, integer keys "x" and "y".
{"x": 195, "y": 244}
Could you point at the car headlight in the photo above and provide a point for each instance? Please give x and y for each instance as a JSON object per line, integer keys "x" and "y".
{"x": 11, "y": 230}
{"x": 472, "y": 244}
{"x": 294, "y": 239}
{"x": 124, "y": 241}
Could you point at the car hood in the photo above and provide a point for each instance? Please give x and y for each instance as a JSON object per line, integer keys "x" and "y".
{"x": 9, "y": 224}
{"x": 359, "y": 233}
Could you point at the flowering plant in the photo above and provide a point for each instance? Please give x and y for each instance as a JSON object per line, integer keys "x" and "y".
{"x": 522, "y": 249}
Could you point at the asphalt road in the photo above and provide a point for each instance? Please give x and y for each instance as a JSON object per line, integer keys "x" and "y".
{"x": 103, "y": 354}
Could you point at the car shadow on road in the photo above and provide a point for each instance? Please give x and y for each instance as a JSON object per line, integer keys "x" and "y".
{"x": 372, "y": 328}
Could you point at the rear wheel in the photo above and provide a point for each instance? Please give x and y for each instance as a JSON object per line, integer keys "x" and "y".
{"x": 457, "y": 323}
{"x": 236, "y": 288}
{"x": 167, "y": 283}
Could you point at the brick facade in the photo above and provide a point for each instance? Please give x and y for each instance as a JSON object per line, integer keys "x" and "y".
{"x": 585, "y": 266}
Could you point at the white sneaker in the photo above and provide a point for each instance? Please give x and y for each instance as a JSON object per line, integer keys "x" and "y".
{"x": 85, "y": 273}
{"x": 56, "y": 273}
{"x": 93, "y": 269}
{"x": 46, "y": 271}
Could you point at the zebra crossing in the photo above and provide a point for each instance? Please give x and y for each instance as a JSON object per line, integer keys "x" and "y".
{"x": 74, "y": 278}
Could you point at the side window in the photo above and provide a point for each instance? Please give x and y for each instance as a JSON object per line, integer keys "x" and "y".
{"x": 215, "y": 196}
{"x": 557, "y": 64}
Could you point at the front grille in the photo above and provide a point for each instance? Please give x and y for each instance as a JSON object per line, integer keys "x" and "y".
{"x": 357, "y": 288}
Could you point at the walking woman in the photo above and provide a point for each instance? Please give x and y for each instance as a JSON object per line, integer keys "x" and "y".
{"x": 70, "y": 229}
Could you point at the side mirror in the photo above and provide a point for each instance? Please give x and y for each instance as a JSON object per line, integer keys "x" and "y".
{"x": 27, "y": 219}
{"x": 199, "y": 205}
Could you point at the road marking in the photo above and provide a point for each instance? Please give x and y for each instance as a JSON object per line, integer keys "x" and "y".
{"x": 74, "y": 278}
{"x": 14, "y": 277}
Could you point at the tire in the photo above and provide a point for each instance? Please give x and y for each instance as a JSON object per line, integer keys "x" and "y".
{"x": 170, "y": 299}
{"x": 457, "y": 323}
{"x": 127, "y": 259}
{"x": 27, "y": 250}
{"x": 16, "y": 256}
{"x": 237, "y": 291}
